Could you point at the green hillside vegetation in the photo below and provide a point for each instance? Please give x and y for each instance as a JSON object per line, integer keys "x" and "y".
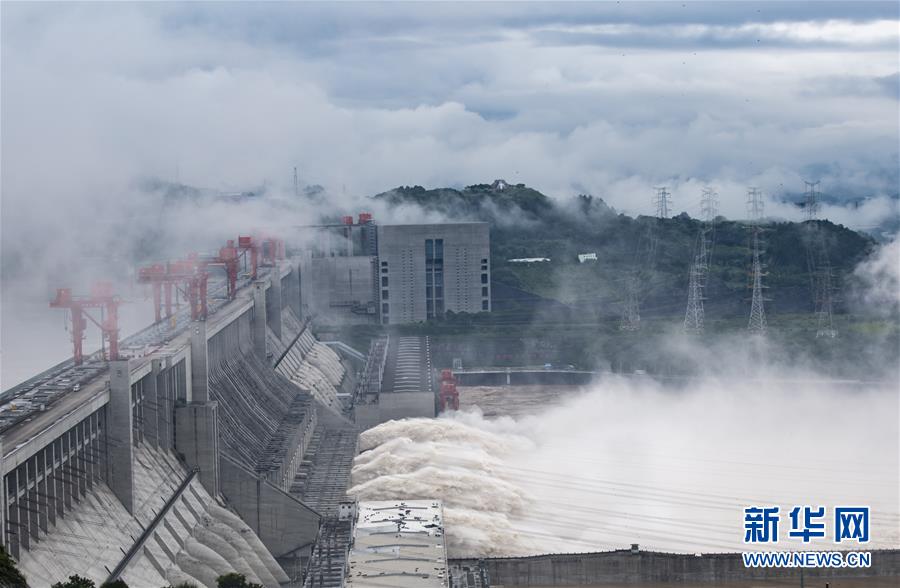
{"x": 566, "y": 312}
{"x": 528, "y": 224}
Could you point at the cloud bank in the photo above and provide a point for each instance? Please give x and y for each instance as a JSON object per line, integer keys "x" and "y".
{"x": 587, "y": 97}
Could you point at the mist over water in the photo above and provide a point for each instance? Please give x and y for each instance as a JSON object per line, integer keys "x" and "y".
{"x": 634, "y": 461}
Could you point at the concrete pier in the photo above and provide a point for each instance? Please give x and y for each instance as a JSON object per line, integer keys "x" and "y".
{"x": 119, "y": 434}
{"x": 258, "y": 328}
{"x": 296, "y": 297}
{"x": 273, "y": 310}
{"x": 199, "y": 363}
{"x": 164, "y": 402}
{"x": 3, "y": 500}
{"x": 151, "y": 406}
{"x": 197, "y": 434}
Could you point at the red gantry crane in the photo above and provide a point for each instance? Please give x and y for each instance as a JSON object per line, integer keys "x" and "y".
{"x": 247, "y": 244}
{"x": 159, "y": 276}
{"x": 263, "y": 250}
{"x": 449, "y": 396}
{"x": 229, "y": 259}
{"x": 195, "y": 280}
{"x": 187, "y": 277}
{"x": 101, "y": 297}
{"x": 190, "y": 277}
{"x": 272, "y": 249}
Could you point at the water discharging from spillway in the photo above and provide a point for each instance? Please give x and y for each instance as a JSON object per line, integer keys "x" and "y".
{"x": 626, "y": 462}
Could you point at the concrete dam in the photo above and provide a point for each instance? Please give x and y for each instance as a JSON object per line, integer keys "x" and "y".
{"x": 226, "y": 444}
{"x": 221, "y": 446}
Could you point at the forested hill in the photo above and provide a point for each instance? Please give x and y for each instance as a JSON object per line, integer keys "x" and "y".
{"x": 527, "y": 224}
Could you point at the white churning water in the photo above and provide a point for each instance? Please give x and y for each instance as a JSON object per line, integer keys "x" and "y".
{"x": 631, "y": 461}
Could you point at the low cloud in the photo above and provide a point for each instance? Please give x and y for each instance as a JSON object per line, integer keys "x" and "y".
{"x": 362, "y": 98}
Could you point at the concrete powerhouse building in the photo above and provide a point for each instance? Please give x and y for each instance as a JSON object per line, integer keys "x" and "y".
{"x": 393, "y": 274}
{"x": 426, "y": 270}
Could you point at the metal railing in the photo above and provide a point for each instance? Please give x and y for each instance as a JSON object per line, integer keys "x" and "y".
{"x": 151, "y": 528}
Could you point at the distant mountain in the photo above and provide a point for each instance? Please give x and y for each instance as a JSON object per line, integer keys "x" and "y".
{"x": 178, "y": 192}
{"x": 479, "y": 201}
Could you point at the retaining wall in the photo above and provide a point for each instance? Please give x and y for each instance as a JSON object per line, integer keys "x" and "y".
{"x": 626, "y": 567}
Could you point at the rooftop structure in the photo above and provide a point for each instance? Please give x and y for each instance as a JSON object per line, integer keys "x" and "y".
{"x": 399, "y": 544}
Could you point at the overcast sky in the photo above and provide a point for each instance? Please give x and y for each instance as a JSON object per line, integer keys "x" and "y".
{"x": 607, "y": 98}
{"x": 610, "y": 98}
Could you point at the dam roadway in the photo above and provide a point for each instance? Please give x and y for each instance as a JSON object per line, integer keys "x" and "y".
{"x": 73, "y": 404}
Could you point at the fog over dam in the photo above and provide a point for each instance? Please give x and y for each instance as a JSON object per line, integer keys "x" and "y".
{"x": 521, "y": 294}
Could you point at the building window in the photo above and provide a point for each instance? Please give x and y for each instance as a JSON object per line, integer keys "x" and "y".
{"x": 383, "y": 264}
{"x": 484, "y": 279}
{"x": 434, "y": 277}
{"x": 385, "y": 308}
{"x": 484, "y": 305}
{"x": 384, "y": 294}
{"x": 384, "y": 282}
{"x": 484, "y": 268}
{"x": 484, "y": 291}
{"x": 484, "y": 261}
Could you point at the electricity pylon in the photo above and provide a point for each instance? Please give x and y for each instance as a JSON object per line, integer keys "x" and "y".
{"x": 709, "y": 205}
{"x": 662, "y": 201}
{"x": 699, "y": 268}
{"x": 811, "y": 202}
{"x": 643, "y": 263}
{"x": 631, "y": 316}
{"x": 824, "y": 314}
{"x": 819, "y": 265}
{"x": 693, "y": 317}
{"x": 755, "y": 210}
{"x": 757, "y": 324}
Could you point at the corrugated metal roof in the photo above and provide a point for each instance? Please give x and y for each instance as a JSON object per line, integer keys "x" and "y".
{"x": 398, "y": 544}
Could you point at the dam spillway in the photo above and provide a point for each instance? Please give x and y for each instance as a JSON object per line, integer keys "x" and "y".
{"x": 196, "y": 450}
